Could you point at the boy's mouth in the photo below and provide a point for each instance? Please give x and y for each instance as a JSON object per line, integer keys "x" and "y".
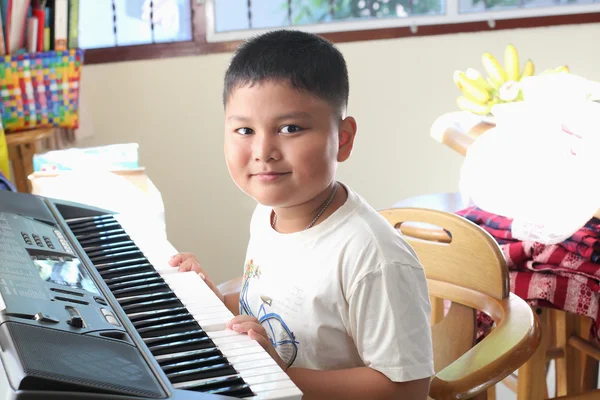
{"x": 269, "y": 176}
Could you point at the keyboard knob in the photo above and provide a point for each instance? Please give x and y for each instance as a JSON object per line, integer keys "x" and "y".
{"x": 75, "y": 321}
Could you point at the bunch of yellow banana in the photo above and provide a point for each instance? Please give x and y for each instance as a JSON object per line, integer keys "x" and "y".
{"x": 501, "y": 86}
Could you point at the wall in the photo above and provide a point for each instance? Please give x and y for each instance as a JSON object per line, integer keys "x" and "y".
{"x": 172, "y": 108}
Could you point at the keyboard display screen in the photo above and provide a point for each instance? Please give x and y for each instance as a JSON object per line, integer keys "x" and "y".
{"x": 69, "y": 273}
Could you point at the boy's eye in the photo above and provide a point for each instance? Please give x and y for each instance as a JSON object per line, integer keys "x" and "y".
{"x": 290, "y": 129}
{"x": 244, "y": 131}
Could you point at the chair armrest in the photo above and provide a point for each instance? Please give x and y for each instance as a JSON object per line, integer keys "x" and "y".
{"x": 509, "y": 345}
{"x": 231, "y": 286}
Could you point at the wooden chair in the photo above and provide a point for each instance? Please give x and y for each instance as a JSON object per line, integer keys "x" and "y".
{"x": 566, "y": 337}
{"x": 464, "y": 265}
{"x": 469, "y": 270}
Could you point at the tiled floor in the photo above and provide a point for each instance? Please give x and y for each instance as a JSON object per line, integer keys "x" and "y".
{"x": 504, "y": 393}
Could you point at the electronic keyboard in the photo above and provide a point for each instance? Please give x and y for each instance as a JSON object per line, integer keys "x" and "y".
{"x": 90, "y": 309}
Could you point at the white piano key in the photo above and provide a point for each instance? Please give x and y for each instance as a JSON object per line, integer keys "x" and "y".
{"x": 233, "y": 339}
{"x": 215, "y": 324}
{"x": 212, "y": 314}
{"x": 292, "y": 393}
{"x": 250, "y": 349}
{"x": 274, "y": 377}
{"x": 233, "y": 345}
{"x": 198, "y": 309}
{"x": 262, "y": 371}
{"x": 270, "y": 386}
{"x": 254, "y": 364}
{"x": 222, "y": 333}
{"x": 248, "y": 357}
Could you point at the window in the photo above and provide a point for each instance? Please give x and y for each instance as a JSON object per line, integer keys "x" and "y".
{"x": 118, "y": 30}
{"x": 110, "y": 23}
{"x": 238, "y": 19}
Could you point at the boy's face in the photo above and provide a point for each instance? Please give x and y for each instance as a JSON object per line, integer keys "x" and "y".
{"x": 282, "y": 145}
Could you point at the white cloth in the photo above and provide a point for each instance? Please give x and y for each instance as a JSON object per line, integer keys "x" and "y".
{"x": 348, "y": 292}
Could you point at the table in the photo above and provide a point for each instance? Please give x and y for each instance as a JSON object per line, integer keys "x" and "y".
{"x": 565, "y": 335}
{"x": 21, "y": 148}
{"x": 458, "y": 130}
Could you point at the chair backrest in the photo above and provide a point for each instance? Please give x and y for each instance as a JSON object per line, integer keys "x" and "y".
{"x": 456, "y": 254}
{"x": 453, "y": 249}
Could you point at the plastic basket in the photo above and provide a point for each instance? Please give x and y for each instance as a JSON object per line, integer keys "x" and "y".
{"x": 40, "y": 90}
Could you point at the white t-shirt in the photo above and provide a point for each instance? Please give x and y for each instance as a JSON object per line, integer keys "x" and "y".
{"x": 348, "y": 292}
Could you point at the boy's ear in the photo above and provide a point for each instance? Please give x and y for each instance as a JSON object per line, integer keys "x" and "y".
{"x": 347, "y": 132}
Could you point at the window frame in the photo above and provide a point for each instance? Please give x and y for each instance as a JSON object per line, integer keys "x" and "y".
{"x": 200, "y": 45}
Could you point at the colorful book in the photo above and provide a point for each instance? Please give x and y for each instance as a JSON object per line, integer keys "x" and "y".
{"x": 61, "y": 23}
{"x": 73, "y": 24}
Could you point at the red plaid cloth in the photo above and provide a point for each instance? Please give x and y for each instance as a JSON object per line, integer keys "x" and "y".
{"x": 551, "y": 291}
{"x": 585, "y": 242}
{"x": 547, "y": 275}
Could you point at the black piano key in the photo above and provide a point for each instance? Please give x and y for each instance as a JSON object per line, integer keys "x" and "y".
{"x": 124, "y": 255}
{"x": 172, "y": 332}
{"x": 170, "y": 358}
{"x": 102, "y": 239}
{"x": 143, "y": 315}
{"x": 185, "y": 333}
{"x": 141, "y": 324}
{"x": 128, "y": 300}
{"x": 130, "y": 277}
{"x": 196, "y": 362}
{"x": 127, "y": 269}
{"x": 229, "y": 384}
{"x": 166, "y": 325}
{"x": 135, "y": 282}
{"x": 240, "y": 390}
{"x": 85, "y": 220}
{"x": 142, "y": 289}
{"x": 181, "y": 345}
{"x": 91, "y": 227}
{"x": 120, "y": 263}
{"x": 100, "y": 234}
{"x": 209, "y": 371}
{"x": 108, "y": 247}
{"x": 152, "y": 305}
{"x": 208, "y": 384}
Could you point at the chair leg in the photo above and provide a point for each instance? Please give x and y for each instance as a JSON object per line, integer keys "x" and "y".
{"x": 567, "y": 379}
{"x": 531, "y": 384}
{"x": 491, "y": 393}
{"x": 589, "y": 365}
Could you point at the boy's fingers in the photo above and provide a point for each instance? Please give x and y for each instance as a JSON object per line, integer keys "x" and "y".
{"x": 238, "y": 319}
{"x": 175, "y": 260}
{"x": 179, "y": 258}
{"x": 245, "y": 327}
{"x": 191, "y": 264}
{"x": 263, "y": 341}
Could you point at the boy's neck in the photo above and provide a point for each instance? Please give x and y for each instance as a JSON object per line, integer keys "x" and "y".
{"x": 297, "y": 218}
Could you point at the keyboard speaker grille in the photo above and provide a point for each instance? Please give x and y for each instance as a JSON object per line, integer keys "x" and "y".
{"x": 56, "y": 360}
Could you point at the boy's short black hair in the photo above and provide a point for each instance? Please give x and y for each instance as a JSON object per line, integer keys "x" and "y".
{"x": 308, "y": 61}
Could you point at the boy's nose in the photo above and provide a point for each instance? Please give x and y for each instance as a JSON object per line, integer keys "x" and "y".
{"x": 265, "y": 148}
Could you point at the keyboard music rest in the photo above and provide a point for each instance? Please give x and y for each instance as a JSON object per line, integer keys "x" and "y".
{"x": 181, "y": 321}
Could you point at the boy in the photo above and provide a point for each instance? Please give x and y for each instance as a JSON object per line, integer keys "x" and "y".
{"x": 330, "y": 289}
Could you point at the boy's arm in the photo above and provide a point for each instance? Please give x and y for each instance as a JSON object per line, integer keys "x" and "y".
{"x": 355, "y": 383}
{"x": 232, "y": 302}
{"x": 231, "y": 294}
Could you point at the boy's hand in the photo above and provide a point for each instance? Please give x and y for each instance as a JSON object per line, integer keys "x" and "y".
{"x": 250, "y": 326}
{"x": 189, "y": 262}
